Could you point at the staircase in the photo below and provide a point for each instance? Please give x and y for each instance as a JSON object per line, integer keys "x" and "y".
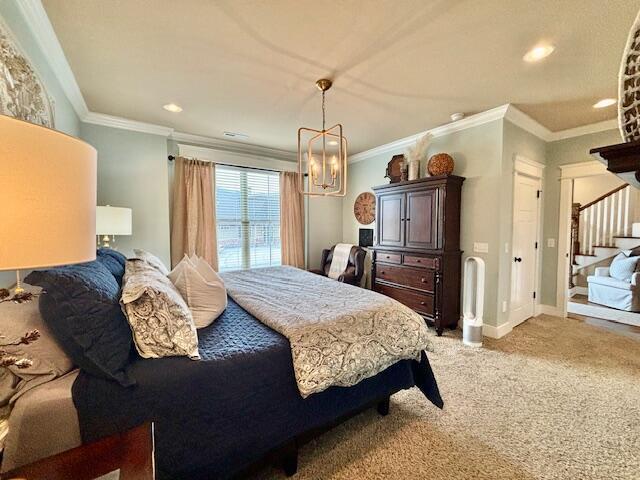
{"x": 602, "y": 228}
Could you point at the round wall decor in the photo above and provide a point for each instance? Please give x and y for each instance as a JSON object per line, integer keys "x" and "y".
{"x": 22, "y": 94}
{"x": 364, "y": 208}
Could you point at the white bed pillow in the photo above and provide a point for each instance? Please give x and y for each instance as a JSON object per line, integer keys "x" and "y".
{"x": 202, "y": 288}
{"x": 151, "y": 259}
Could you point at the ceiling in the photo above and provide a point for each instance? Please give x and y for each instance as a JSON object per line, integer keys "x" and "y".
{"x": 399, "y": 66}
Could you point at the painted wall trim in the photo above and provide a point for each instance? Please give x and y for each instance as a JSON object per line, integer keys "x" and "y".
{"x": 40, "y": 26}
{"x": 126, "y": 124}
{"x": 398, "y": 145}
{"x": 235, "y": 147}
{"x": 36, "y": 18}
{"x": 586, "y": 130}
{"x": 524, "y": 121}
{"x": 241, "y": 159}
{"x": 496, "y": 332}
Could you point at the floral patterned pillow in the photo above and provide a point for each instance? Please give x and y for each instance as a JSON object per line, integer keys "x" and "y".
{"x": 161, "y": 322}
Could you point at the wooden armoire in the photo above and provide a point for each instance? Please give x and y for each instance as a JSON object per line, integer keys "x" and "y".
{"x": 417, "y": 256}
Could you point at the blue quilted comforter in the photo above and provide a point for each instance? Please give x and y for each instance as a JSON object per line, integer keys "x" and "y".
{"x": 225, "y": 412}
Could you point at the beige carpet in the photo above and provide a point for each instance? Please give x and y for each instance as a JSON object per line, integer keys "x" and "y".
{"x": 555, "y": 399}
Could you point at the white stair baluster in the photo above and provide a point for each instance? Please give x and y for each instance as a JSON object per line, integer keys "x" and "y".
{"x": 619, "y": 226}
{"x": 589, "y": 250}
{"x": 626, "y": 211}
{"x": 612, "y": 217}
{"x": 584, "y": 224}
{"x": 598, "y": 222}
{"x": 605, "y": 221}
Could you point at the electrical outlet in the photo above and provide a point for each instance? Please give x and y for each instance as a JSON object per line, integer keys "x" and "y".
{"x": 551, "y": 242}
{"x": 504, "y": 306}
{"x": 480, "y": 247}
{"x": 506, "y": 247}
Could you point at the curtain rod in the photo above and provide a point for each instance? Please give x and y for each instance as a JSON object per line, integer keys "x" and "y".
{"x": 172, "y": 158}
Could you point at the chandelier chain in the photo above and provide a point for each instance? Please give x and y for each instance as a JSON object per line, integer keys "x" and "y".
{"x": 323, "y": 112}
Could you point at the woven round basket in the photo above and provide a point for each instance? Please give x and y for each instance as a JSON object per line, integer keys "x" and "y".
{"x": 440, "y": 164}
{"x": 629, "y": 87}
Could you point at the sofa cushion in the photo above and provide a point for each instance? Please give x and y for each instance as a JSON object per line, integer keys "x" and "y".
{"x": 114, "y": 261}
{"x": 81, "y": 306}
{"x": 610, "y": 282}
{"x": 623, "y": 267}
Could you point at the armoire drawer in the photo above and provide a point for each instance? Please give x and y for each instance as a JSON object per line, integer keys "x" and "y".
{"x": 420, "y": 302}
{"x": 420, "y": 262}
{"x": 410, "y": 277}
{"x": 389, "y": 257}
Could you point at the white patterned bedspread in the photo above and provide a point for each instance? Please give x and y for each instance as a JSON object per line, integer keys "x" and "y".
{"x": 339, "y": 334}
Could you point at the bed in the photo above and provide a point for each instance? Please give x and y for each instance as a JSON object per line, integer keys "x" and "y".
{"x": 224, "y": 415}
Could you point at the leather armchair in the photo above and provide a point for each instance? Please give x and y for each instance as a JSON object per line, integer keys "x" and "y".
{"x": 355, "y": 266}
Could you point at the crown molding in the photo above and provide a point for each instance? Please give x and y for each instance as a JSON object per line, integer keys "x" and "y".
{"x": 585, "y": 130}
{"x": 235, "y": 147}
{"x": 468, "y": 122}
{"x": 524, "y": 121}
{"x": 37, "y": 20}
{"x": 126, "y": 124}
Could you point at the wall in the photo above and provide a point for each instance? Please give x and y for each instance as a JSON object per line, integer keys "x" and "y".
{"x": 516, "y": 142}
{"x": 562, "y": 152}
{"x": 588, "y": 189}
{"x": 133, "y": 172}
{"x": 478, "y": 155}
{"x": 66, "y": 119}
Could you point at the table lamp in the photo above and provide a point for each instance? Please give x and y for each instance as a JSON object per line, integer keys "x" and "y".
{"x": 112, "y": 221}
{"x": 48, "y": 184}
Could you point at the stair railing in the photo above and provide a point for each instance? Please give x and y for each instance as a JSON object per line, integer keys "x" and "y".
{"x": 595, "y": 224}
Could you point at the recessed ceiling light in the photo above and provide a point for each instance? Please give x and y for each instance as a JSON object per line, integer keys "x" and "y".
{"x": 538, "y": 53}
{"x": 332, "y": 142}
{"x": 457, "y": 116}
{"x": 172, "y": 107}
{"x": 605, "y": 102}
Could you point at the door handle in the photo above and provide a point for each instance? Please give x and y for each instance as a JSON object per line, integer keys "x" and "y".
{"x": 517, "y": 259}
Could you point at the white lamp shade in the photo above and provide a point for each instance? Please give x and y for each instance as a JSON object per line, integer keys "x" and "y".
{"x": 113, "y": 220}
{"x": 47, "y": 197}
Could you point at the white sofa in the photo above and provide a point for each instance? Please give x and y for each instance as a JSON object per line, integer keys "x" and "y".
{"x": 614, "y": 293}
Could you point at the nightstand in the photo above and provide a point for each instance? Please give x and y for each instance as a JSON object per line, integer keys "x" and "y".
{"x": 130, "y": 453}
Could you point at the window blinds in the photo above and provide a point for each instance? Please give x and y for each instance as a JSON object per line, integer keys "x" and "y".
{"x": 247, "y": 218}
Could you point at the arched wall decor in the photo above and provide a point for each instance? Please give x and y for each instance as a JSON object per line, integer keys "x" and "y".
{"x": 22, "y": 93}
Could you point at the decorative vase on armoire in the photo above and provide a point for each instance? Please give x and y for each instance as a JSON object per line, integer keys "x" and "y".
{"x": 417, "y": 256}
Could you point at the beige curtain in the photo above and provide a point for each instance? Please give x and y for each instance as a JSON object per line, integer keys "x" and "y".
{"x": 193, "y": 227}
{"x": 291, "y": 220}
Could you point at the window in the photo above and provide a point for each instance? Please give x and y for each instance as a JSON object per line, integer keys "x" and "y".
{"x": 248, "y": 218}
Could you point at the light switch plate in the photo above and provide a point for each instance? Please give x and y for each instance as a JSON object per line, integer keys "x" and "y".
{"x": 551, "y": 242}
{"x": 480, "y": 247}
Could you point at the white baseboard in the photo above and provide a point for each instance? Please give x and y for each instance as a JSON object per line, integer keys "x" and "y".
{"x": 578, "y": 290}
{"x": 597, "y": 311}
{"x": 542, "y": 309}
{"x": 496, "y": 332}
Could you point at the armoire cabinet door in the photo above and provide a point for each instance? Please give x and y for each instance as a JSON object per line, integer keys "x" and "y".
{"x": 391, "y": 224}
{"x": 422, "y": 219}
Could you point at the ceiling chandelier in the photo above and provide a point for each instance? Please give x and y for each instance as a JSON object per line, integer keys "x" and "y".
{"x": 322, "y": 156}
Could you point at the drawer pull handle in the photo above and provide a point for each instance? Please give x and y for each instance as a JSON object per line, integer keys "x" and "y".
{"x": 422, "y": 303}
{"x": 382, "y": 272}
{"x": 423, "y": 280}
{"x": 418, "y": 260}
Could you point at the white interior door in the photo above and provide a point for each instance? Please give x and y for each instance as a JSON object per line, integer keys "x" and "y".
{"x": 525, "y": 235}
